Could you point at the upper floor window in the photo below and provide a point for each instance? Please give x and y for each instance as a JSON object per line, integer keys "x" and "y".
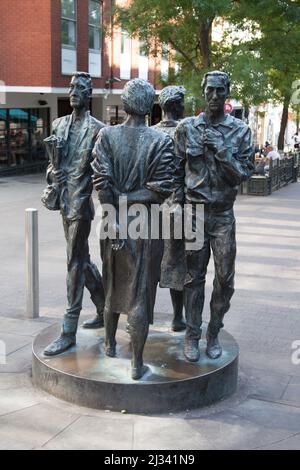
{"x": 95, "y": 25}
{"x": 125, "y": 61}
{"x": 68, "y": 23}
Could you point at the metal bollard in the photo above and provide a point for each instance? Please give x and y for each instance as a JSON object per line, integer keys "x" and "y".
{"x": 32, "y": 263}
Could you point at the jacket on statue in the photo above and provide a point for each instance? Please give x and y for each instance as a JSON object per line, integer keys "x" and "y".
{"x": 78, "y": 140}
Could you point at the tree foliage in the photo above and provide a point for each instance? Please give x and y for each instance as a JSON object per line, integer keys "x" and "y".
{"x": 260, "y": 50}
{"x": 275, "y": 43}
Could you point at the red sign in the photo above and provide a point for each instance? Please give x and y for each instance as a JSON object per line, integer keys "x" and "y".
{"x": 228, "y": 108}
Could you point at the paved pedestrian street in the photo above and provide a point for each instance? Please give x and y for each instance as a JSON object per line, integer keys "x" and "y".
{"x": 264, "y": 318}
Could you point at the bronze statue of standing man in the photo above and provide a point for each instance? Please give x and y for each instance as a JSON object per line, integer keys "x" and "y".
{"x": 73, "y": 139}
{"x": 216, "y": 153}
{"x": 171, "y": 100}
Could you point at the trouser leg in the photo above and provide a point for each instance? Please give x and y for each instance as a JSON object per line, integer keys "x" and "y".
{"x": 196, "y": 263}
{"x": 111, "y": 320}
{"x": 138, "y": 327}
{"x": 177, "y": 302}
{"x": 93, "y": 282}
{"x": 77, "y": 233}
{"x": 223, "y": 245}
{"x": 178, "y": 323}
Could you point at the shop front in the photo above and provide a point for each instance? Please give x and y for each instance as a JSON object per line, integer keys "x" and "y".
{"x": 22, "y": 131}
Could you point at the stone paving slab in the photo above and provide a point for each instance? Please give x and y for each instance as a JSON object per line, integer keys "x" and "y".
{"x": 22, "y": 328}
{"x": 292, "y": 391}
{"x": 19, "y": 361}
{"x": 267, "y": 384}
{"x": 291, "y": 443}
{"x": 32, "y": 427}
{"x": 14, "y": 381}
{"x": 14, "y": 342}
{"x": 93, "y": 433}
{"x": 270, "y": 415}
{"x": 17, "y": 399}
{"x": 228, "y": 431}
{"x": 167, "y": 434}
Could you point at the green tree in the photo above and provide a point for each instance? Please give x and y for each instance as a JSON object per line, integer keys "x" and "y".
{"x": 275, "y": 45}
{"x": 185, "y": 25}
{"x": 263, "y": 59}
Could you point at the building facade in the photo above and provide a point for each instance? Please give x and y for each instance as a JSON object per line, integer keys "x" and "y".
{"x": 42, "y": 44}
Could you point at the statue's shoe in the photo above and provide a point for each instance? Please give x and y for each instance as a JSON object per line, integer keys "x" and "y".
{"x": 96, "y": 322}
{"x": 110, "y": 351}
{"x": 191, "y": 349}
{"x": 213, "y": 348}
{"x": 138, "y": 372}
{"x": 60, "y": 345}
{"x": 178, "y": 325}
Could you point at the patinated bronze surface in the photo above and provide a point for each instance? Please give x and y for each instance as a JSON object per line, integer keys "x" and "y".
{"x": 171, "y": 100}
{"x": 136, "y": 162}
{"x": 215, "y": 151}
{"x": 70, "y": 176}
{"x": 87, "y": 377}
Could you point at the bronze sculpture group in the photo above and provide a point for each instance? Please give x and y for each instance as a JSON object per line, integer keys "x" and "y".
{"x": 197, "y": 160}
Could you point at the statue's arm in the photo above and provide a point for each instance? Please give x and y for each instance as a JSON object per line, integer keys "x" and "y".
{"x": 237, "y": 162}
{"x": 144, "y": 196}
{"x": 50, "y": 169}
{"x": 179, "y": 163}
{"x": 102, "y": 171}
{"x": 160, "y": 181}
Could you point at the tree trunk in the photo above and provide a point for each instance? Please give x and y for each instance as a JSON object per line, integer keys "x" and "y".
{"x": 205, "y": 43}
{"x": 283, "y": 124}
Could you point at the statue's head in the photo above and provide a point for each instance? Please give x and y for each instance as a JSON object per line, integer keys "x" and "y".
{"x": 81, "y": 89}
{"x": 216, "y": 89}
{"x": 138, "y": 97}
{"x": 171, "y": 100}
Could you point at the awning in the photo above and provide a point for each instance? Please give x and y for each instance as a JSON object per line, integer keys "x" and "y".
{"x": 17, "y": 113}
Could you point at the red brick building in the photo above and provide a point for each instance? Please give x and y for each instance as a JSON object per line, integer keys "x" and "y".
{"x": 42, "y": 44}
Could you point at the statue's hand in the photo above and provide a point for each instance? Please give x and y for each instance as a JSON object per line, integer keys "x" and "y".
{"x": 58, "y": 176}
{"x": 213, "y": 140}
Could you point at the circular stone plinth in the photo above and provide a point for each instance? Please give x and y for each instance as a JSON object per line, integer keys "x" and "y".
{"x": 86, "y": 376}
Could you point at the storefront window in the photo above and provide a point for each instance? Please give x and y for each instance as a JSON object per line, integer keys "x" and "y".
{"x": 3, "y": 138}
{"x": 21, "y": 136}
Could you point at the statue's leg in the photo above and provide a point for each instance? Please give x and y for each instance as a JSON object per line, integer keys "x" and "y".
{"x": 224, "y": 250}
{"x": 178, "y": 323}
{"x": 138, "y": 328}
{"x": 77, "y": 233}
{"x": 111, "y": 320}
{"x": 194, "y": 294}
{"x": 93, "y": 282}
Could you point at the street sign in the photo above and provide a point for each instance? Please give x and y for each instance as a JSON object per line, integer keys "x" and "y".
{"x": 228, "y": 108}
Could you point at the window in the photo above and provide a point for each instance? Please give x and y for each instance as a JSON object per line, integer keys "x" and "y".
{"x": 68, "y": 23}
{"x": 95, "y": 25}
{"x": 22, "y": 132}
{"x": 68, "y": 37}
{"x": 95, "y": 37}
{"x": 125, "y": 62}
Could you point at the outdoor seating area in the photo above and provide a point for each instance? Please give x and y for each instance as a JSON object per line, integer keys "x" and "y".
{"x": 281, "y": 172}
